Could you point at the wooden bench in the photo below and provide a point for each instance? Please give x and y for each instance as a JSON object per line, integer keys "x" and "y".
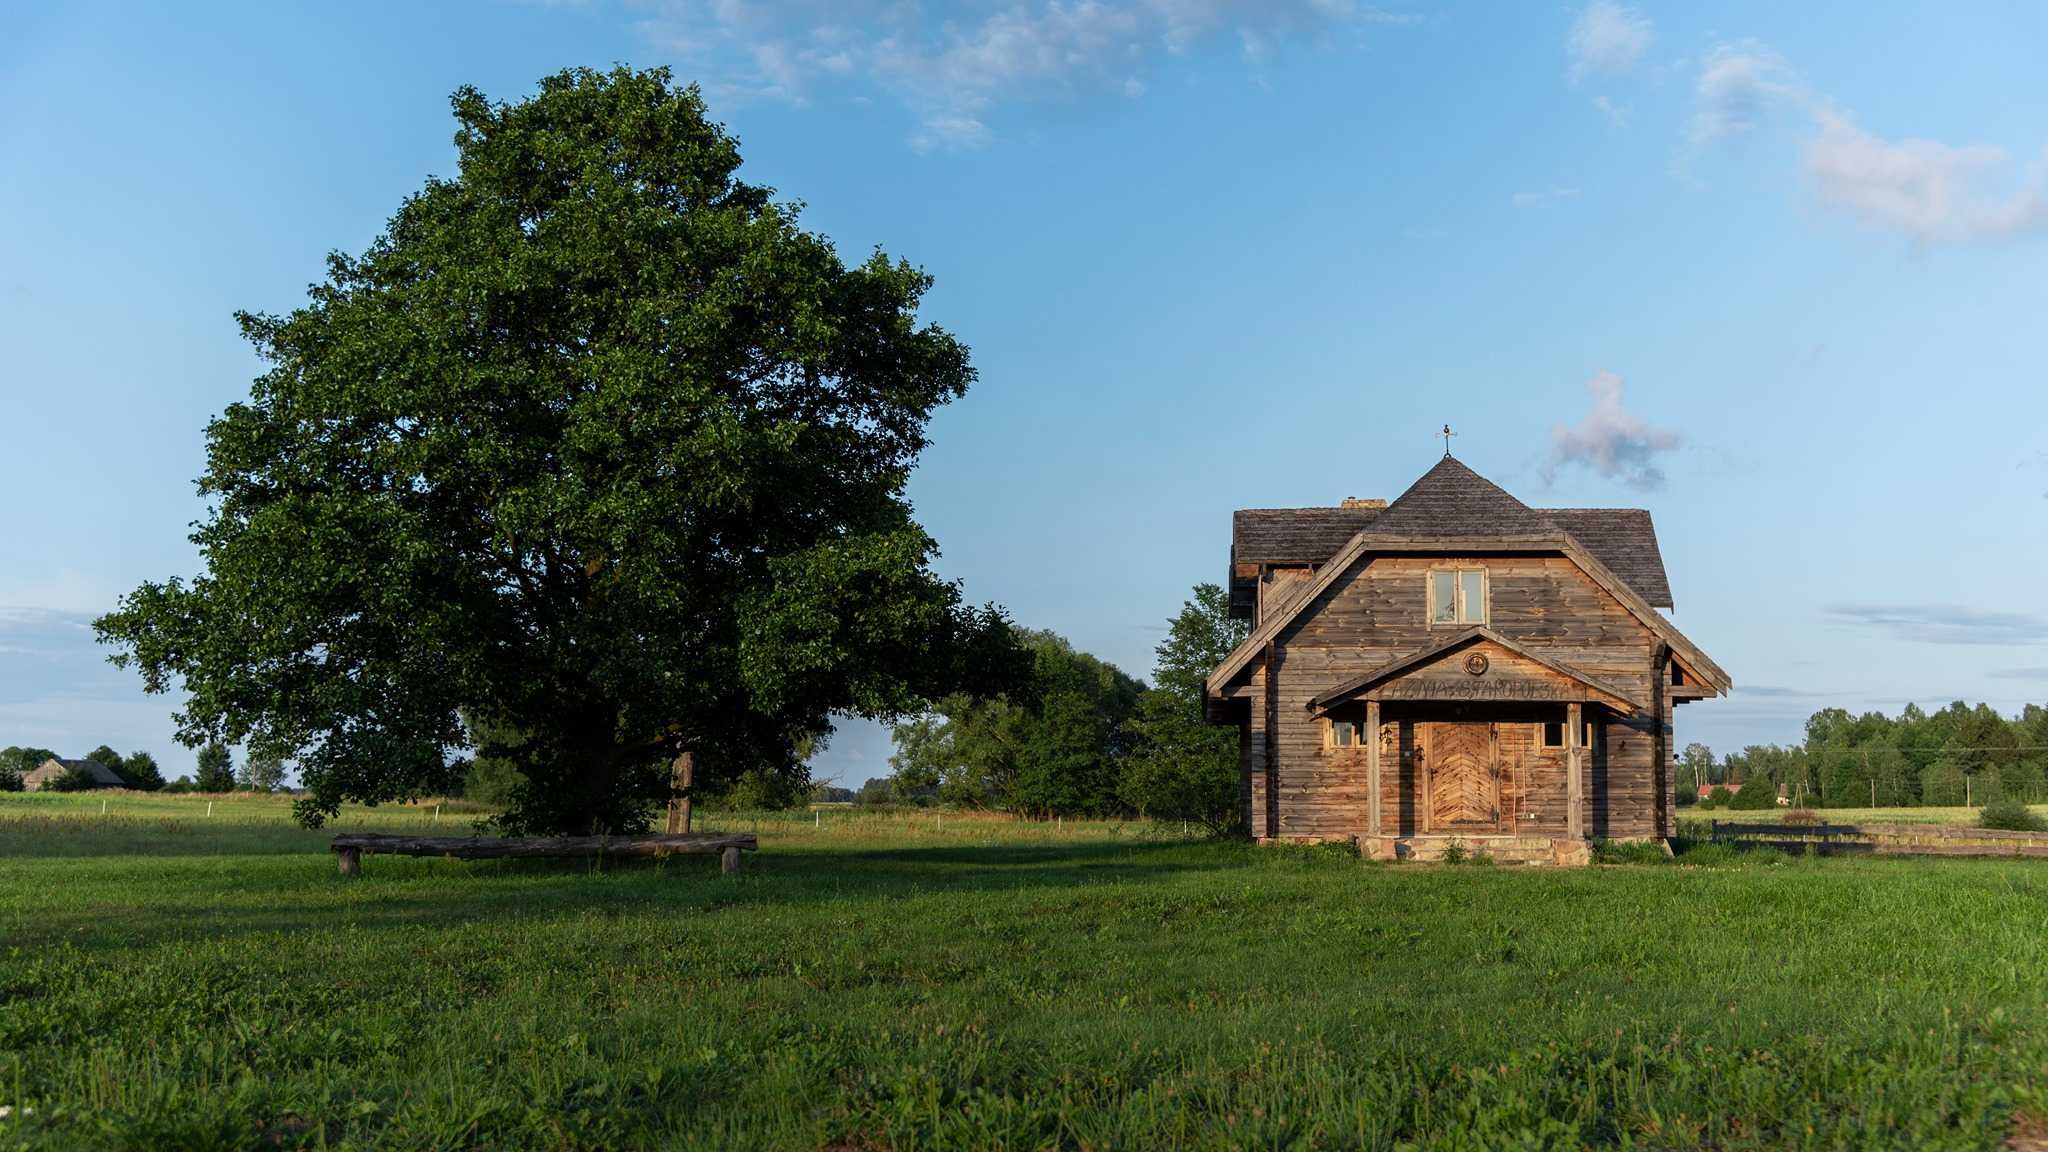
{"x": 349, "y": 848}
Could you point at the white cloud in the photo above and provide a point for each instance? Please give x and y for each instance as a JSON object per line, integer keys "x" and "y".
{"x": 952, "y": 73}
{"x": 1606, "y": 38}
{"x": 1543, "y": 196}
{"x": 1617, "y": 115}
{"x": 1736, "y": 85}
{"x": 1611, "y": 440}
{"x": 1927, "y": 190}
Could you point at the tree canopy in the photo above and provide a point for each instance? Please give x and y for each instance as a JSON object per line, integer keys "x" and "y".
{"x": 594, "y": 445}
{"x": 1183, "y": 767}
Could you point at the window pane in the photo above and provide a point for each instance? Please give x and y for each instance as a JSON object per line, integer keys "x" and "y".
{"x": 1443, "y": 597}
{"x": 1343, "y": 728}
{"x": 1472, "y": 605}
{"x": 1553, "y": 735}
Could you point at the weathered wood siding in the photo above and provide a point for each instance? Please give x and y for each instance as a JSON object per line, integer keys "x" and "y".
{"x": 1296, "y": 788}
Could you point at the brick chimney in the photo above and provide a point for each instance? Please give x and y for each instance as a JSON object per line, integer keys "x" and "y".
{"x": 1355, "y": 502}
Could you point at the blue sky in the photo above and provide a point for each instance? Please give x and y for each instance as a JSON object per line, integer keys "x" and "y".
{"x": 1773, "y": 271}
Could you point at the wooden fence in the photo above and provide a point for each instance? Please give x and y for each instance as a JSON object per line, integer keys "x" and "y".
{"x": 1882, "y": 839}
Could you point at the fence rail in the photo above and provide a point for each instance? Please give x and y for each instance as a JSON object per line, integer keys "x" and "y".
{"x": 1882, "y": 839}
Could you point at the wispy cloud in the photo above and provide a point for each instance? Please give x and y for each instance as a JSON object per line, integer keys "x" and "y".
{"x": 1737, "y": 84}
{"x": 1606, "y": 37}
{"x": 1928, "y": 191}
{"x": 2038, "y": 672}
{"x": 1945, "y": 623}
{"x": 951, "y": 74}
{"x": 1924, "y": 189}
{"x": 1530, "y": 199}
{"x": 1611, "y": 440}
{"x": 1617, "y": 114}
{"x": 1775, "y": 692}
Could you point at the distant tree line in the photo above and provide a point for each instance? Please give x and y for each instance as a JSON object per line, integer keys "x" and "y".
{"x": 139, "y": 770}
{"x": 1962, "y": 754}
{"x": 1081, "y": 737}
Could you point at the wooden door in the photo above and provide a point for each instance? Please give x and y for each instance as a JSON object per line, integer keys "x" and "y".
{"x": 1464, "y": 784}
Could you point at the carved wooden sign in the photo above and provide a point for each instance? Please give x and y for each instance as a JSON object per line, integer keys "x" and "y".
{"x": 1475, "y": 664}
{"x": 1476, "y": 689}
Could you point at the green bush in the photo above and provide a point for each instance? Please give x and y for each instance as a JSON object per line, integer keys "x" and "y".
{"x": 74, "y": 780}
{"x": 10, "y": 780}
{"x": 1757, "y": 794}
{"x": 1720, "y": 797}
{"x": 2012, "y": 816}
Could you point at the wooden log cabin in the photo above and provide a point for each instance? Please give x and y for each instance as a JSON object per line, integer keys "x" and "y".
{"x": 1455, "y": 667}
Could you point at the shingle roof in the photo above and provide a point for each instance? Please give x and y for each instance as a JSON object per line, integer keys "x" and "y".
{"x": 1295, "y": 535}
{"x": 1625, "y": 540}
{"x": 1451, "y": 500}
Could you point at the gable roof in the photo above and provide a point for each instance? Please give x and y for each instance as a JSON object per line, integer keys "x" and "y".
{"x": 101, "y": 774}
{"x": 1430, "y": 652}
{"x": 1478, "y": 517}
{"x": 1452, "y": 501}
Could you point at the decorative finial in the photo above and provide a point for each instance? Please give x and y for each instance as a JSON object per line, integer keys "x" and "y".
{"x": 1447, "y": 434}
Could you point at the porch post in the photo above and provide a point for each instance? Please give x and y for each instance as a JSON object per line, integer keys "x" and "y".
{"x": 1372, "y": 767}
{"x": 1575, "y": 766}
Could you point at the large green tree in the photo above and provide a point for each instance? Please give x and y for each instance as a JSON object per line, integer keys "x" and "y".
{"x": 216, "y": 769}
{"x": 594, "y": 444}
{"x": 1051, "y": 745}
{"x": 1182, "y": 767}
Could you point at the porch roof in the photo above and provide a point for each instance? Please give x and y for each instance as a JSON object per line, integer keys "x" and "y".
{"x": 1510, "y": 673}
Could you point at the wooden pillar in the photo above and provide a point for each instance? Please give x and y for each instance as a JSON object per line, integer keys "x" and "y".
{"x": 1575, "y": 773}
{"x": 679, "y": 804}
{"x": 729, "y": 861}
{"x": 1372, "y": 767}
{"x": 350, "y": 861}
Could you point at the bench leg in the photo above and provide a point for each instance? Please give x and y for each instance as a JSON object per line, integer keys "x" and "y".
{"x": 729, "y": 861}
{"x": 350, "y": 861}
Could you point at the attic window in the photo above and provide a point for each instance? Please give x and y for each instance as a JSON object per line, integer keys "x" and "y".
{"x": 1457, "y": 596}
{"x": 1343, "y": 733}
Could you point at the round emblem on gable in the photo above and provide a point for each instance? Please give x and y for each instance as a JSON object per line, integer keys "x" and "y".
{"x": 1476, "y": 663}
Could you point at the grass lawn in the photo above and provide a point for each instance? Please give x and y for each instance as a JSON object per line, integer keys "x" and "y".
{"x": 173, "y": 981}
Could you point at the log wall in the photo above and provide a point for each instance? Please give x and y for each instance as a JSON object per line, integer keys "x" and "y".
{"x": 1294, "y": 787}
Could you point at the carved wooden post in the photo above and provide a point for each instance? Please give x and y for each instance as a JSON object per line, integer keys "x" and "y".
{"x": 350, "y": 861}
{"x": 729, "y": 861}
{"x": 679, "y": 805}
{"x": 1372, "y": 768}
{"x": 1575, "y": 774}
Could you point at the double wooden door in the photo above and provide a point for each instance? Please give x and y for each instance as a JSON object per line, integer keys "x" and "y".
{"x": 1461, "y": 777}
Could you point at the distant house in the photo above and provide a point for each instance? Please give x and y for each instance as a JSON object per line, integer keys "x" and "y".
{"x": 49, "y": 771}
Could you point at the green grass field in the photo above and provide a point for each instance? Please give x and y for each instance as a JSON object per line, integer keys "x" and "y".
{"x": 169, "y": 980}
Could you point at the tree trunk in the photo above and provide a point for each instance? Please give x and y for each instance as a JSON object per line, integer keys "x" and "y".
{"x": 682, "y": 771}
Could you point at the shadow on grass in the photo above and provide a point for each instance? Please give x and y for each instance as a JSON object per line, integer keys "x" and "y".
{"x": 406, "y": 892}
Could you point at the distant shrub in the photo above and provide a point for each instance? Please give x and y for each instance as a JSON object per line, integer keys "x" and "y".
{"x": 1757, "y": 794}
{"x": 1720, "y": 797}
{"x": 10, "y": 780}
{"x": 1454, "y": 853}
{"x": 1802, "y": 816}
{"x": 2012, "y": 816}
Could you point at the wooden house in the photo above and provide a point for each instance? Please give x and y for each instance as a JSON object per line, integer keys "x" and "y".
{"x": 1455, "y": 667}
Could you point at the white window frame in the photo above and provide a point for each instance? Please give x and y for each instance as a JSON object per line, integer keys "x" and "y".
{"x": 1461, "y": 616}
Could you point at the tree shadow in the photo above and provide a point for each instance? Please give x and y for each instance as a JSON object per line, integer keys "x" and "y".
{"x": 395, "y": 893}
